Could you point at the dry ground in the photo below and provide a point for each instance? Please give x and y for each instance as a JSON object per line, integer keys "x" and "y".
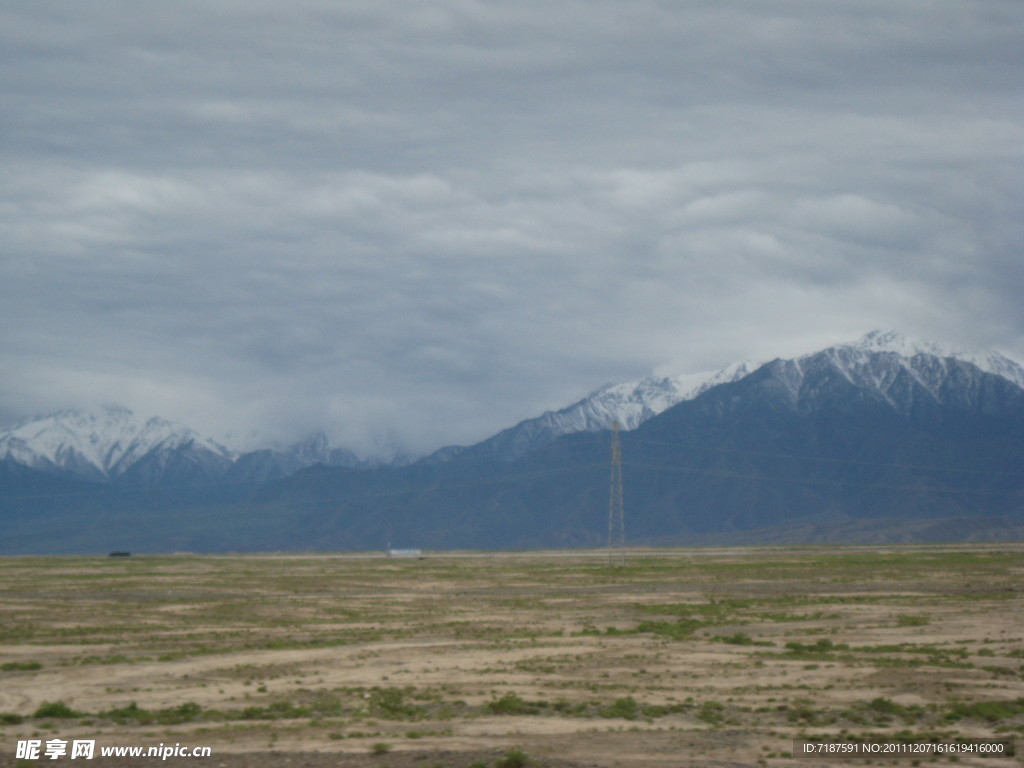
{"x": 696, "y": 657}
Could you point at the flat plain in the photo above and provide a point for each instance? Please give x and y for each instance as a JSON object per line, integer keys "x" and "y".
{"x": 667, "y": 657}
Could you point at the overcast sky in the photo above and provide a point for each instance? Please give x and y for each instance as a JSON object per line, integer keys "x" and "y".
{"x": 423, "y": 222}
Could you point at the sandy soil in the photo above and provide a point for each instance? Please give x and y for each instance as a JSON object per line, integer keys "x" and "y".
{"x": 679, "y": 658}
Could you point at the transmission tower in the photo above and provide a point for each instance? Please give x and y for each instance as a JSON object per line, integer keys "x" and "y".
{"x": 616, "y": 520}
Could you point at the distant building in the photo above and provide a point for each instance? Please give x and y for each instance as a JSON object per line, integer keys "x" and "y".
{"x": 405, "y": 553}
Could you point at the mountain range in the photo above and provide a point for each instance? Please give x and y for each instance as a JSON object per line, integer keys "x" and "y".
{"x": 111, "y": 444}
{"x": 884, "y": 438}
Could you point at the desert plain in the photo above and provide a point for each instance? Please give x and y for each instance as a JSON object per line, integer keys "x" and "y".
{"x": 649, "y": 658}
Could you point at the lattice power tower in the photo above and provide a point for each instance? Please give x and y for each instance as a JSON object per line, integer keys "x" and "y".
{"x": 616, "y": 520}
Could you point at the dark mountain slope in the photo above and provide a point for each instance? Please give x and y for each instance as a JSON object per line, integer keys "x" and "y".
{"x": 786, "y": 445}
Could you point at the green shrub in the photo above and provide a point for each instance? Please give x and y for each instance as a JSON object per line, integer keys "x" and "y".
{"x": 885, "y": 706}
{"x": 626, "y": 708}
{"x": 514, "y": 758}
{"x": 740, "y": 638}
{"x": 676, "y": 630}
{"x": 20, "y": 666}
{"x": 511, "y": 704}
{"x": 711, "y": 712}
{"x": 133, "y": 712}
{"x": 390, "y": 703}
{"x": 992, "y": 711}
{"x": 285, "y": 709}
{"x": 55, "y": 709}
{"x": 183, "y": 713}
{"x": 326, "y": 704}
{"x": 822, "y": 646}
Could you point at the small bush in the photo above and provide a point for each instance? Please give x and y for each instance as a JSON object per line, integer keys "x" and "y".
{"x": 390, "y": 703}
{"x": 626, "y": 708}
{"x": 183, "y": 713}
{"x": 676, "y": 630}
{"x": 380, "y": 748}
{"x": 991, "y": 711}
{"x": 885, "y": 706}
{"x": 514, "y": 758}
{"x": 326, "y": 705}
{"x": 132, "y": 712}
{"x": 511, "y": 704}
{"x": 740, "y": 638}
{"x": 20, "y": 666}
{"x": 7, "y": 718}
{"x": 711, "y": 712}
{"x": 55, "y": 709}
{"x": 822, "y": 646}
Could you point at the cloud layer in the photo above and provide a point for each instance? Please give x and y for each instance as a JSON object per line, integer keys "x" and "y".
{"x": 418, "y": 224}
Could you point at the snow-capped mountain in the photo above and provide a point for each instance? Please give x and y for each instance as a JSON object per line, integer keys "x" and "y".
{"x": 630, "y": 403}
{"x": 907, "y": 348}
{"x": 881, "y": 437}
{"x": 880, "y": 361}
{"x": 634, "y": 402}
{"x": 901, "y": 371}
{"x": 884, "y": 428}
{"x": 112, "y": 443}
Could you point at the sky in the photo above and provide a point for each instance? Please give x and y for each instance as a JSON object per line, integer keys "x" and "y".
{"x": 415, "y": 224}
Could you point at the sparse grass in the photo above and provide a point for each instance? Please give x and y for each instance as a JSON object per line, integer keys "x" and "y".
{"x": 711, "y": 712}
{"x": 989, "y": 711}
{"x": 815, "y": 650}
{"x": 132, "y": 713}
{"x": 20, "y": 666}
{"x": 350, "y": 649}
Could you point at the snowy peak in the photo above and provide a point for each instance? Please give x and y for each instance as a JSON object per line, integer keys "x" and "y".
{"x": 633, "y": 402}
{"x": 904, "y": 373}
{"x": 101, "y": 444}
{"x": 897, "y": 343}
{"x": 113, "y": 444}
{"x": 895, "y": 368}
{"x": 630, "y": 403}
{"x": 907, "y": 347}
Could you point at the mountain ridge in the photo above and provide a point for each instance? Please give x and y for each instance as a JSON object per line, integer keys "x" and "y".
{"x": 881, "y": 377}
{"x": 105, "y": 444}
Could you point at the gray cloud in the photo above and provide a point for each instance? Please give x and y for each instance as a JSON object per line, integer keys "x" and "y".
{"x": 424, "y": 223}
